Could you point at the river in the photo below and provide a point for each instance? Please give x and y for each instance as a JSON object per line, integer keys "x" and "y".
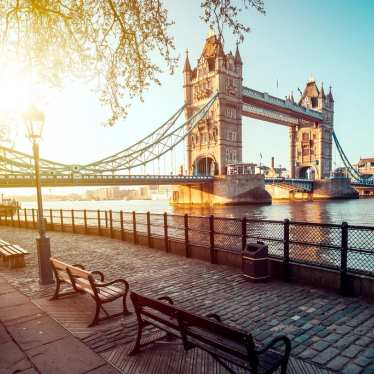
{"x": 357, "y": 212}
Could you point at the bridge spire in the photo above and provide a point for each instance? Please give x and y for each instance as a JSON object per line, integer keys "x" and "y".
{"x": 329, "y": 96}
{"x": 238, "y": 59}
{"x": 322, "y": 93}
{"x": 187, "y": 66}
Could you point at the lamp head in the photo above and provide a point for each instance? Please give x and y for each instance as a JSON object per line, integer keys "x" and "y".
{"x": 34, "y": 120}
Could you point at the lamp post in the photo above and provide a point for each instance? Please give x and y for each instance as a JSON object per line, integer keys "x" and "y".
{"x": 34, "y": 120}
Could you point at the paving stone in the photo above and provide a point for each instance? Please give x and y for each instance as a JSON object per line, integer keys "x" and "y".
{"x": 338, "y": 363}
{"x": 12, "y": 359}
{"x": 36, "y": 332}
{"x": 345, "y": 342}
{"x": 308, "y": 354}
{"x": 67, "y": 355}
{"x": 325, "y": 356}
{"x": 352, "y": 369}
{"x": 333, "y": 338}
{"x": 369, "y": 353}
{"x": 363, "y": 361}
{"x": 4, "y": 336}
{"x": 12, "y": 313}
{"x": 301, "y": 338}
{"x": 368, "y": 370}
{"x": 364, "y": 341}
{"x": 352, "y": 351}
{"x": 320, "y": 346}
{"x": 12, "y": 299}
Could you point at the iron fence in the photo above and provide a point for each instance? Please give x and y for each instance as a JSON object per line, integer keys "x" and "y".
{"x": 344, "y": 247}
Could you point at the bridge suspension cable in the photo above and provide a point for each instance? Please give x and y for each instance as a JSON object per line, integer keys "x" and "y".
{"x": 147, "y": 150}
{"x": 353, "y": 173}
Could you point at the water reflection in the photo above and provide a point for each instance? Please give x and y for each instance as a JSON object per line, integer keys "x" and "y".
{"x": 359, "y": 212}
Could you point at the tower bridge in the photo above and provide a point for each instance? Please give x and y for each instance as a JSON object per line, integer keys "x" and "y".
{"x": 215, "y": 101}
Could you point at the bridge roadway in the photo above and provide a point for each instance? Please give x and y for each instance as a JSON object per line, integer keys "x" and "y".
{"x": 81, "y": 180}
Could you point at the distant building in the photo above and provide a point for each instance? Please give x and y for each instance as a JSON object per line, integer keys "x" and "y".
{"x": 366, "y": 166}
{"x": 241, "y": 168}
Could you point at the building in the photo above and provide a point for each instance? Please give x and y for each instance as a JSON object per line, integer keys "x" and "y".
{"x": 366, "y": 166}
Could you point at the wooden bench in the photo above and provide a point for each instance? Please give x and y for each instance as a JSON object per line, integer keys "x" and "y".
{"x": 13, "y": 255}
{"x": 84, "y": 281}
{"x": 224, "y": 343}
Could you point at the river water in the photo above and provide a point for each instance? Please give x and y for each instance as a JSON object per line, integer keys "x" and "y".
{"x": 357, "y": 212}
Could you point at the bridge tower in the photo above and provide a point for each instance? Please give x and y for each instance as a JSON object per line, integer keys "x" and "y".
{"x": 217, "y": 140}
{"x": 311, "y": 147}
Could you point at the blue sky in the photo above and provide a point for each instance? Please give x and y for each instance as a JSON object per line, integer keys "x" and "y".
{"x": 331, "y": 40}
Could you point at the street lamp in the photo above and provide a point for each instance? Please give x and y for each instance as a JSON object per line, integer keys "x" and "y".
{"x": 34, "y": 120}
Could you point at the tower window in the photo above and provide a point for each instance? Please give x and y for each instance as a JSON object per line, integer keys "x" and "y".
{"x": 314, "y": 102}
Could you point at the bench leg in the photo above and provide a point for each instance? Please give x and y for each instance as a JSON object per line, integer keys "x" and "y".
{"x": 96, "y": 317}
{"x": 55, "y": 295}
{"x": 16, "y": 262}
{"x": 125, "y": 309}
{"x": 284, "y": 367}
{"x": 136, "y": 348}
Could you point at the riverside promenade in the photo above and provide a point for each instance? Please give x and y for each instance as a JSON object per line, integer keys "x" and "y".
{"x": 328, "y": 332}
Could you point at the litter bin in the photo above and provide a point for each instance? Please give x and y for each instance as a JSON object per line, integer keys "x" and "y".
{"x": 255, "y": 262}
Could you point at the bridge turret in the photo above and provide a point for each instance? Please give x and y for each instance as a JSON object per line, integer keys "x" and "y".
{"x": 312, "y": 146}
{"x": 217, "y": 140}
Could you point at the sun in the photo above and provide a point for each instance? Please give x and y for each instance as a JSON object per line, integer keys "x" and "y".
{"x": 15, "y": 90}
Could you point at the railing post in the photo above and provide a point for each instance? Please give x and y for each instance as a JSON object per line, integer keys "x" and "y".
{"x": 186, "y": 239}
{"x": 111, "y": 223}
{"x": 244, "y": 233}
{"x": 25, "y": 213}
{"x": 98, "y": 221}
{"x": 62, "y": 220}
{"x": 344, "y": 261}
{"x": 72, "y": 221}
{"x": 33, "y": 218}
{"x": 211, "y": 239}
{"x": 18, "y": 218}
{"x": 11, "y": 217}
{"x": 6, "y": 216}
{"x": 286, "y": 249}
{"x": 134, "y": 227}
{"x": 85, "y": 220}
{"x": 121, "y": 223}
{"x": 51, "y": 219}
{"x": 166, "y": 235}
{"x": 149, "y": 230}
{"x": 106, "y": 219}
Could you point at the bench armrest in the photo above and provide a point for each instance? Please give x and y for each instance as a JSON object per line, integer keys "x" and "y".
{"x": 101, "y": 284}
{"x": 282, "y": 338}
{"x": 214, "y": 316}
{"x": 166, "y": 298}
{"x": 99, "y": 273}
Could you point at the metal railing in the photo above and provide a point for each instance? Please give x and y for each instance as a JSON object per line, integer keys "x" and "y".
{"x": 345, "y": 248}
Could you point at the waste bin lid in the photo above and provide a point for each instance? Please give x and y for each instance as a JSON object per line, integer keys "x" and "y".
{"x": 253, "y": 247}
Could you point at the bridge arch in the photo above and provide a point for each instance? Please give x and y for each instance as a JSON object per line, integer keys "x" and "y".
{"x": 205, "y": 165}
{"x": 308, "y": 172}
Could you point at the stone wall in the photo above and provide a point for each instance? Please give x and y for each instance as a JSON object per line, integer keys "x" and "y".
{"x": 224, "y": 190}
{"x": 335, "y": 188}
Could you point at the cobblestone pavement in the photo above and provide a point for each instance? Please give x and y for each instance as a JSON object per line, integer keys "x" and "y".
{"x": 326, "y": 329}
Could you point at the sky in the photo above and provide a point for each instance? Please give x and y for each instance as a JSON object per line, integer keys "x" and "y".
{"x": 330, "y": 40}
